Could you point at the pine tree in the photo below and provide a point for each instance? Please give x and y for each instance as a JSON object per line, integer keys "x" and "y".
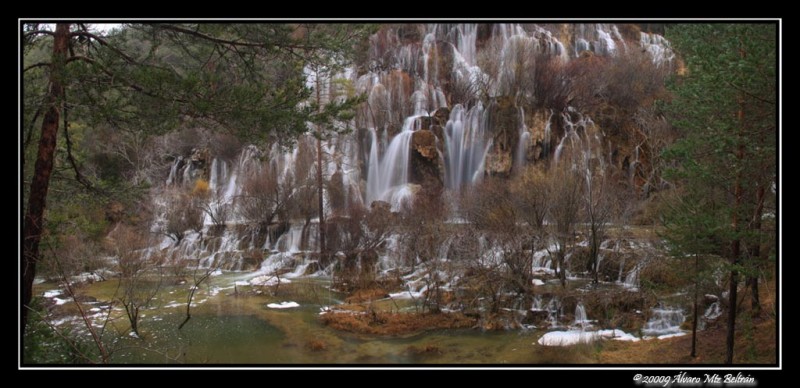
{"x": 244, "y": 79}
{"x": 724, "y": 102}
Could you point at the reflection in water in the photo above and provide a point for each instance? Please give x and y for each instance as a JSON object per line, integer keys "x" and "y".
{"x": 226, "y": 328}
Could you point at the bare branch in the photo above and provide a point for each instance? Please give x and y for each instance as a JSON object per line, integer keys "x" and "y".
{"x": 38, "y": 32}
{"x": 36, "y": 65}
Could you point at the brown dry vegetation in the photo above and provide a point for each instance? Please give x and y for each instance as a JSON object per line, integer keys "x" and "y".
{"x": 756, "y": 341}
{"x": 384, "y": 323}
{"x": 366, "y": 295}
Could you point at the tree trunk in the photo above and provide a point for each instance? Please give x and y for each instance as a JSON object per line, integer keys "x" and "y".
{"x": 594, "y": 253}
{"x": 694, "y": 322}
{"x": 755, "y": 252}
{"x": 322, "y": 248}
{"x": 37, "y": 197}
{"x": 736, "y": 243}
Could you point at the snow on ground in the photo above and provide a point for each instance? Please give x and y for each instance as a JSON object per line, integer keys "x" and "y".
{"x": 618, "y": 335}
{"x": 283, "y": 305}
{"x": 574, "y": 337}
{"x": 567, "y": 338}
{"x": 672, "y": 335}
{"x": 538, "y": 282}
{"x": 406, "y": 295}
{"x": 52, "y": 293}
{"x": 267, "y": 280}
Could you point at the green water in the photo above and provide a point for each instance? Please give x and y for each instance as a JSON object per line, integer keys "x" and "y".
{"x": 235, "y": 326}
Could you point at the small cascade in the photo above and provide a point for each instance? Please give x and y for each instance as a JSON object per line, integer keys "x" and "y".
{"x": 554, "y": 312}
{"x": 524, "y": 141}
{"x": 537, "y": 304}
{"x": 632, "y": 279}
{"x": 547, "y": 130}
{"x": 713, "y": 311}
{"x": 291, "y": 241}
{"x": 599, "y": 38}
{"x": 664, "y": 321}
{"x": 658, "y": 47}
{"x": 580, "y": 317}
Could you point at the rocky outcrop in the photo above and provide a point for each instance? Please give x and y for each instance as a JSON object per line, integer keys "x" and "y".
{"x": 427, "y": 168}
{"x": 336, "y": 192}
{"x": 504, "y": 124}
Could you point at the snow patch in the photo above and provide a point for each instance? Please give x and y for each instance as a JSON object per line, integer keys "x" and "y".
{"x": 405, "y": 295}
{"x": 665, "y": 336}
{"x": 574, "y": 337}
{"x": 283, "y": 305}
{"x": 567, "y": 338}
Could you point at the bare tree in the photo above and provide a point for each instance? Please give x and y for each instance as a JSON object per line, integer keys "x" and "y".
{"x": 199, "y": 276}
{"x": 265, "y": 196}
{"x": 140, "y": 273}
{"x": 422, "y": 236}
{"x": 566, "y": 195}
{"x": 183, "y": 212}
{"x": 216, "y": 208}
{"x": 358, "y": 236}
{"x": 598, "y": 208}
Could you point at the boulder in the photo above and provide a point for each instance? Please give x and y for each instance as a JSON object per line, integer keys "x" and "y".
{"x": 440, "y": 116}
{"x": 427, "y": 168}
{"x": 498, "y": 163}
{"x": 424, "y": 143}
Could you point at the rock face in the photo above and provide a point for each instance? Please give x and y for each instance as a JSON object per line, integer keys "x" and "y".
{"x": 426, "y": 165}
{"x": 504, "y": 119}
{"x": 424, "y": 143}
{"x": 498, "y": 163}
{"x": 539, "y": 126}
{"x": 336, "y": 192}
{"x": 186, "y": 170}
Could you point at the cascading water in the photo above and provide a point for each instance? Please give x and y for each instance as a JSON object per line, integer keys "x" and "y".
{"x": 664, "y": 321}
{"x": 524, "y": 141}
{"x": 580, "y": 316}
{"x": 406, "y": 78}
{"x": 387, "y": 179}
{"x": 466, "y": 145}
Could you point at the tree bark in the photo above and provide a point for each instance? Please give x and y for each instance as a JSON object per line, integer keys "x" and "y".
{"x": 320, "y": 201}
{"x": 37, "y": 196}
{"x": 322, "y": 248}
{"x": 755, "y": 252}
{"x": 736, "y": 243}
{"x": 694, "y": 313}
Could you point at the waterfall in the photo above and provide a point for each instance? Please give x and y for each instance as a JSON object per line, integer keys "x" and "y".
{"x": 405, "y": 78}
{"x": 387, "y": 179}
{"x": 665, "y": 320}
{"x": 466, "y": 145}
